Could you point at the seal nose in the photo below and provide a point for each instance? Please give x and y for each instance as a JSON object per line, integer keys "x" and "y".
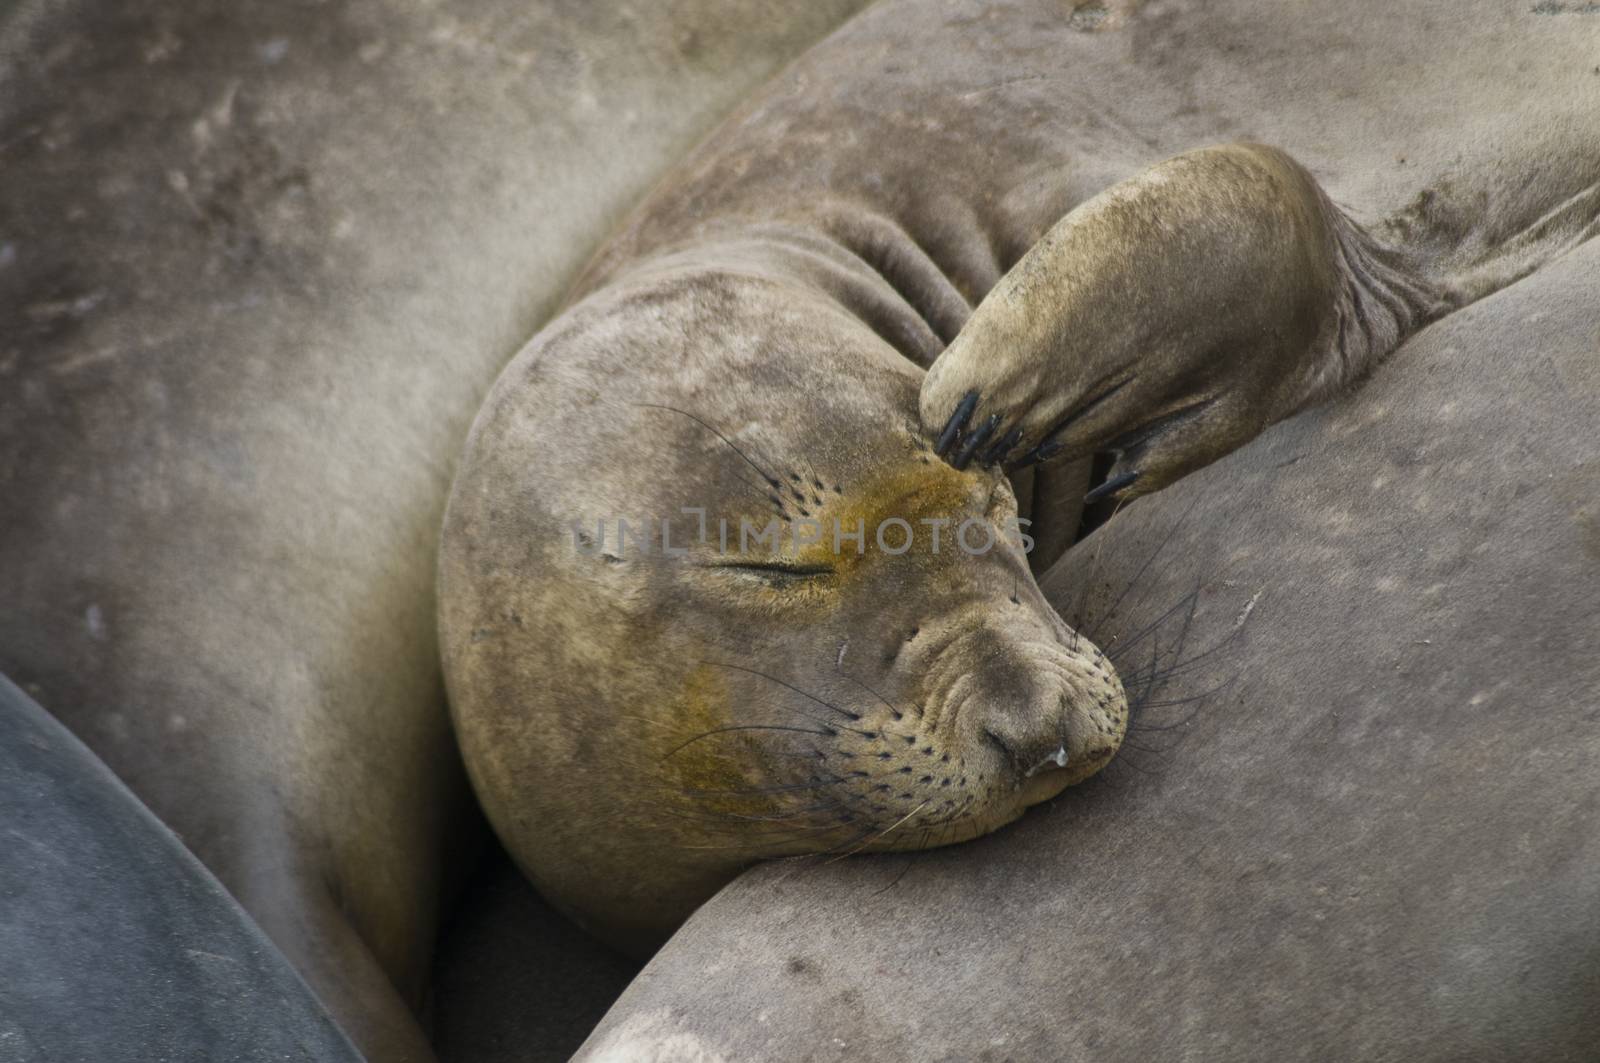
{"x": 1030, "y": 741}
{"x": 1058, "y": 759}
{"x": 1064, "y": 737}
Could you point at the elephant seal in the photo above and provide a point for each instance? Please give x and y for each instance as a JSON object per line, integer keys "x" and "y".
{"x": 1356, "y": 822}
{"x": 1361, "y": 828}
{"x": 792, "y": 347}
{"x": 244, "y": 372}
{"x": 258, "y": 266}
{"x": 874, "y": 259}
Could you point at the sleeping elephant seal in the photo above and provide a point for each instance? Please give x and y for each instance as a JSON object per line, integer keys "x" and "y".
{"x": 258, "y": 265}
{"x": 644, "y": 716}
{"x": 786, "y": 333}
{"x": 1359, "y": 820}
{"x": 1354, "y": 818}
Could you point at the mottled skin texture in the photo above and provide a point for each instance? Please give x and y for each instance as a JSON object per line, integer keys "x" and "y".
{"x": 639, "y": 726}
{"x": 1375, "y": 841}
{"x": 258, "y": 265}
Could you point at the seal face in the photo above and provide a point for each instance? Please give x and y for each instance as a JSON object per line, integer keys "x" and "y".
{"x": 824, "y": 635}
{"x": 731, "y": 606}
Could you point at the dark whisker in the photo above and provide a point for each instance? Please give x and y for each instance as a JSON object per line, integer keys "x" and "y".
{"x": 922, "y": 845}
{"x": 1179, "y": 523}
{"x": 1184, "y": 721}
{"x": 1189, "y": 700}
{"x": 834, "y": 727}
{"x": 881, "y": 834}
{"x": 1189, "y": 663}
{"x": 759, "y": 790}
{"x": 898, "y": 713}
{"x": 748, "y": 727}
{"x": 1123, "y": 647}
{"x": 771, "y": 480}
{"x": 846, "y": 713}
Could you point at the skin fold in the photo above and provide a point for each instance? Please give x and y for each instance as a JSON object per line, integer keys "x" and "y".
{"x": 760, "y": 386}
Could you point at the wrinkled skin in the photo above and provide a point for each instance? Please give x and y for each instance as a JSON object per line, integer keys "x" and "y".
{"x": 232, "y": 523}
{"x": 1188, "y": 308}
{"x": 641, "y": 725}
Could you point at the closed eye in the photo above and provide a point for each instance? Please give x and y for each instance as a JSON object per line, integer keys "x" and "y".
{"x": 776, "y": 573}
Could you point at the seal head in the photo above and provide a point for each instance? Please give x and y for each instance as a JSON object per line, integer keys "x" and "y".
{"x": 813, "y": 635}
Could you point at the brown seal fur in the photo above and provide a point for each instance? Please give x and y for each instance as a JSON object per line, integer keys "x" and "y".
{"x": 639, "y": 725}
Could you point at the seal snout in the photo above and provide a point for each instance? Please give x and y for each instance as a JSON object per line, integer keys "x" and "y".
{"x": 1057, "y": 759}
{"x": 1060, "y": 725}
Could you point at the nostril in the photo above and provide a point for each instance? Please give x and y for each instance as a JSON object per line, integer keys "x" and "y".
{"x": 999, "y": 743}
{"x": 1057, "y": 759}
{"x": 1019, "y": 757}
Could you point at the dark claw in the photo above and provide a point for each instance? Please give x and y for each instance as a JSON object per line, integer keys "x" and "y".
{"x": 1042, "y": 452}
{"x": 1110, "y": 486}
{"x": 997, "y": 453}
{"x": 970, "y": 445}
{"x": 957, "y": 422}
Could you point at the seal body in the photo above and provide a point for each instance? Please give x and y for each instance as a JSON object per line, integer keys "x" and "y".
{"x": 257, "y": 268}
{"x": 640, "y": 723}
{"x": 1358, "y": 820}
{"x": 1358, "y": 823}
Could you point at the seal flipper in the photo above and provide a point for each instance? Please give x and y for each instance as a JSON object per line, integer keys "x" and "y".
{"x": 1174, "y": 316}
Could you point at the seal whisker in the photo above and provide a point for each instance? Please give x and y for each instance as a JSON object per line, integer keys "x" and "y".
{"x": 780, "y": 823}
{"x": 898, "y": 713}
{"x": 758, "y": 841}
{"x": 911, "y": 858}
{"x": 1139, "y": 573}
{"x": 1191, "y": 599}
{"x": 1183, "y": 721}
{"x": 846, "y": 713}
{"x": 883, "y": 833}
{"x": 745, "y": 727}
{"x": 710, "y": 818}
{"x": 1191, "y": 698}
{"x": 753, "y": 791}
{"x": 772, "y": 480}
{"x": 1189, "y": 663}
